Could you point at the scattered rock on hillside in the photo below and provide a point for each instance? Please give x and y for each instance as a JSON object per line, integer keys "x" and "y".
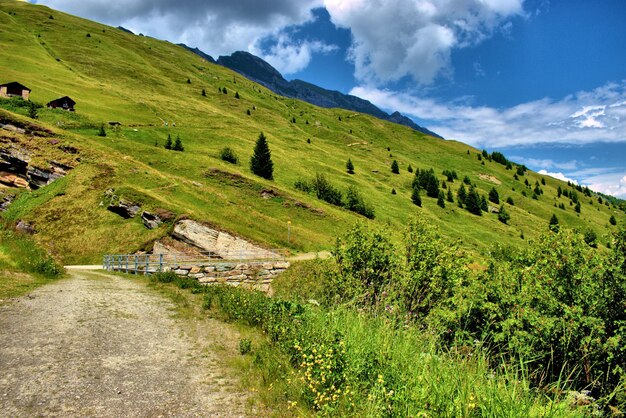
{"x": 25, "y": 227}
{"x": 124, "y": 208}
{"x": 150, "y": 220}
{"x": 5, "y": 202}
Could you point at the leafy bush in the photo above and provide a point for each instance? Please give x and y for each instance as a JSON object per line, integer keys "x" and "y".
{"x": 325, "y": 191}
{"x": 303, "y": 186}
{"x": 227, "y": 154}
{"x": 355, "y": 203}
{"x": 245, "y": 346}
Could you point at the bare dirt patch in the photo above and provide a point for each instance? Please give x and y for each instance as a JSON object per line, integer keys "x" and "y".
{"x": 490, "y": 178}
{"x": 107, "y": 346}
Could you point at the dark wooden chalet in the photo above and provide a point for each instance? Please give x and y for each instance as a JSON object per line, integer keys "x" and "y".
{"x": 14, "y": 89}
{"x": 65, "y": 103}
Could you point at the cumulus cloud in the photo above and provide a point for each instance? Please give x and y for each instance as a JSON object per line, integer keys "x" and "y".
{"x": 289, "y": 57}
{"x": 393, "y": 39}
{"x": 546, "y": 163}
{"x": 613, "y": 184}
{"x": 219, "y": 27}
{"x": 559, "y": 176}
{"x": 585, "y": 117}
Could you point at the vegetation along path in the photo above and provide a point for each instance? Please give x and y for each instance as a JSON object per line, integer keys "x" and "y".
{"x": 102, "y": 345}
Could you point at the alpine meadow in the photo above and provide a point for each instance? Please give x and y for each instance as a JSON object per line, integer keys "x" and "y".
{"x": 459, "y": 282}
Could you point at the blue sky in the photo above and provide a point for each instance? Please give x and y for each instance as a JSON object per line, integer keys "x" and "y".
{"x": 542, "y": 81}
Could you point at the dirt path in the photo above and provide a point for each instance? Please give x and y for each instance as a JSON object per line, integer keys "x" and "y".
{"x": 101, "y": 345}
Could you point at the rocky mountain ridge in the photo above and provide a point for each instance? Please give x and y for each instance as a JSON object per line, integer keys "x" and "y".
{"x": 260, "y": 71}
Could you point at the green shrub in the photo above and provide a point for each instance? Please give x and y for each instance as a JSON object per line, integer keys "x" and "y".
{"x": 245, "y": 346}
{"x": 227, "y": 154}
{"x": 355, "y": 203}
{"x": 325, "y": 191}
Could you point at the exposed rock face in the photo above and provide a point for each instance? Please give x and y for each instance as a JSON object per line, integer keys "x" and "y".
{"x": 25, "y": 227}
{"x": 258, "y": 70}
{"x": 124, "y": 208}
{"x": 219, "y": 243}
{"x": 5, "y": 202}
{"x": 150, "y": 221}
{"x": 16, "y": 171}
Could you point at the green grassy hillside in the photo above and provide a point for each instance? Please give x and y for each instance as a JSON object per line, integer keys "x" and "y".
{"x": 154, "y": 88}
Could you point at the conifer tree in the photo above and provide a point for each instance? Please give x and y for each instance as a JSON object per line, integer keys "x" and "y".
{"x": 409, "y": 168}
{"x": 612, "y": 220}
{"x": 449, "y": 197}
{"x": 168, "y": 143}
{"x": 503, "y": 216}
{"x": 350, "y": 166}
{"x": 483, "y": 204}
{"x": 415, "y": 197}
{"x": 461, "y": 195}
{"x": 178, "y": 145}
{"x": 395, "y": 168}
{"x": 554, "y": 223}
{"x": 261, "y": 162}
{"x": 101, "y": 131}
{"x": 440, "y": 199}
{"x": 203, "y": 93}
{"x": 493, "y": 196}
{"x": 577, "y": 207}
{"x": 473, "y": 202}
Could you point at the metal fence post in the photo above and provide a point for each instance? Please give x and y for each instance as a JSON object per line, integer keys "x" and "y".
{"x": 136, "y": 263}
{"x": 160, "y": 263}
{"x": 147, "y": 264}
{"x": 126, "y": 263}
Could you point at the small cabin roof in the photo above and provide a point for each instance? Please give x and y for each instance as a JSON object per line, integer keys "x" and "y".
{"x": 15, "y": 84}
{"x": 66, "y": 99}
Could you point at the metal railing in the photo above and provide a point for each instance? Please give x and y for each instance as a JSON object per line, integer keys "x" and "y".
{"x": 155, "y": 263}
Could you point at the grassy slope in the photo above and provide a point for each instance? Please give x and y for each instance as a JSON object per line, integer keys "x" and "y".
{"x": 142, "y": 82}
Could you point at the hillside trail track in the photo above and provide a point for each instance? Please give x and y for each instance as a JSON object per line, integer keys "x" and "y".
{"x": 102, "y": 345}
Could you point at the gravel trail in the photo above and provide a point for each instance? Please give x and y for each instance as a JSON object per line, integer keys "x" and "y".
{"x": 106, "y": 346}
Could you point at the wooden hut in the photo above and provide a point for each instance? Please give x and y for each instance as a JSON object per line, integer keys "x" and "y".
{"x": 14, "y": 89}
{"x": 65, "y": 103}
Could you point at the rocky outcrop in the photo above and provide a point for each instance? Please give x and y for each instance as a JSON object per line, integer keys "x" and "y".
{"x": 217, "y": 242}
{"x": 259, "y": 71}
{"x": 150, "y": 220}
{"x": 25, "y": 227}
{"x": 5, "y": 202}
{"x": 16, "y": 171}
{"x": 124, "y": 208}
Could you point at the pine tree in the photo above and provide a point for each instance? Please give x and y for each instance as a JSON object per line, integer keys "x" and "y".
{"x": 350, "y": 166}
{"x": 261, "y": 162}
{"x": 409, "y": 168}
{"x": 178, "y": 145}
{"x": 236, "y": 95}
{"x": 461, "y": 195}
{"x": 395, "y": 168}
{"x": 415, "y": 197}
{"x": 503, "y": 216}
{"x": 203, "y": 93}
{"x": 483, "y": 204}
{"x": 577, "y": 207}
{"x": 168, "y": 143}
{"x": 101, "y": 131}
{"x": 612, "y": 220}
{"x": 554, "y": 223}
{"x": 473, "y": 202}
{"x": 440, "y": 200}
{"x": 509, "y": 200}
{"x": 559, "y": 191}
{"x": 493, "y": 196}
{"x": 449, "y": 197}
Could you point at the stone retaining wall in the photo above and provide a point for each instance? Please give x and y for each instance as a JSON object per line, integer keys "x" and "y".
{"x": 258, "y": 276}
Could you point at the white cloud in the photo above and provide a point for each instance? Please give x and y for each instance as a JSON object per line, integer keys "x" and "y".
{"x": 613, "y": 184}
{"x": 585, "y": 117}
{"x": 546, "y": 164}
{"x": 218, "y": 27}
{"x": 289, "y": 57}
{"x": 478, "y": 70}
{"x": 559, "y": 176}
{"x": 393, "y": 39}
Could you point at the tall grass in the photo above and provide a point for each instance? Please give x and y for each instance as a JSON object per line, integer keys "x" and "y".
{"x": 346, "y": 363}
{"x": 20, "y": 253}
